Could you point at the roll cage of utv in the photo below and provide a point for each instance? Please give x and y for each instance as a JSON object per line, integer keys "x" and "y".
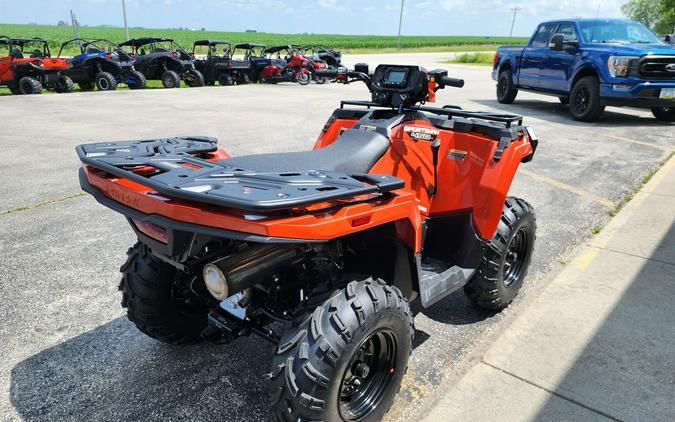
{"x": 100, "y": 63}
{"x": 280, "y": 55}
{"x": 220, "y": 66}
{"x": 159, "y": 58}
{"x": 28, "y": 72}
{"x": 254, "y": 54}
{"x": 331, "y": 57}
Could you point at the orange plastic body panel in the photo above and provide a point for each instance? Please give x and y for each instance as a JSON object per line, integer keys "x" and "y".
{"x": 333, "y": 131}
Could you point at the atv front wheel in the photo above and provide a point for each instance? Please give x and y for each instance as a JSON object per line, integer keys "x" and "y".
{"x": 29, "y": 85}
{"x": 105, "y": 81}
{"x": 585, "y": 103}
{"x": 159, "y": 299}
{"x": 665, "y": 114}
{"x": 136, "y": 80}
{"x": 345, "y": 361}
{"x": 193, "y": 78}
{"x": 506, "y": 91}
{"x": 64, "y": 85}
{"x": 507, "y": 258}
{"x": 170, "y": 79}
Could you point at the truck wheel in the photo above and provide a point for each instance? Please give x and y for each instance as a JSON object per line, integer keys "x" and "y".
{"x": 225, "y": 80}
{"x": 585, "y": 104}
{"x": 564, "y": 100}
{"x": 158, "y": 299}
{"x": 30, "y": 85}
{"x": 345, "y": 361}
{"x": 136, "y": 80}
{"x": 666, "y": 114}
{"x": 170, "y": 79}
{"x": 64, "y": 85}
{"x": 105, "y": 81}
{"x": 193, "y": 78}
{"x": 507, "y": 258}
{"x": 506, "y": 91}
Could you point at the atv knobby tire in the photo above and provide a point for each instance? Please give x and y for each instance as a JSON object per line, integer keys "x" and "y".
{"x": 105, "y": 81}
{"x": 193, "y": 78}
{"x": 506, "y": 260}
{"x": 170, "y": 79}
{"x": 506, "y": 90}
{"x": 29, "y": 85}
{"x": 136, "y": 80}
{"x": 225, "y": 79}
{"x": 148, "y": 289}
{"x": 314, "y": 367}
{"x": 64, "y": 85}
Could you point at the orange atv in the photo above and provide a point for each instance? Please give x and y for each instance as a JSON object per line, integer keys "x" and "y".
{"x": 29, "y": 75}
{"x": 397, "y": 201}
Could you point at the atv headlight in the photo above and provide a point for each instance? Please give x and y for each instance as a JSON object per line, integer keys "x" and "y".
{"x": 619, "y": 66}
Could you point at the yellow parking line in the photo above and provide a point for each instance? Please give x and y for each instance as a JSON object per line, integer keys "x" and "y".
{"x": 564, "y": 186}
{"x": 633, "y": 141}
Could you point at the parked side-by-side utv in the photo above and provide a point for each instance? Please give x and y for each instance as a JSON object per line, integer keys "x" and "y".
{"x": 101, "y": 64}
{"x": 254, "y": 54}
{"x": 162, "y": 59}
{"x": 27, "y": 67}
{"x": 220, "y": 66}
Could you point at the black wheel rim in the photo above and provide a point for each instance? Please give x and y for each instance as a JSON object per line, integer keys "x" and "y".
{"x": 514, "y": 260}
{"x": 581, "y": 100}
{"x": 368, "y": 375}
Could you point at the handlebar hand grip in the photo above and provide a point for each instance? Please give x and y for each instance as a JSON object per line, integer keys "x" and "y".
{"x": 448, "y": 81}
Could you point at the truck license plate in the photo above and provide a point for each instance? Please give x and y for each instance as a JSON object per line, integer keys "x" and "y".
{"x": 667, "y": 94}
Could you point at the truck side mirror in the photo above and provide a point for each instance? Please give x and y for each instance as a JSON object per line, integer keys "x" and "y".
{"x": 556, "y": 43}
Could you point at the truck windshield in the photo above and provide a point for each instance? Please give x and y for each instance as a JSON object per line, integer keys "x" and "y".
{"x": 617, "y": 32}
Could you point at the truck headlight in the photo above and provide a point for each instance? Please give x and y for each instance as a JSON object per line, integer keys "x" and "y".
{"x": 619, "y": 66}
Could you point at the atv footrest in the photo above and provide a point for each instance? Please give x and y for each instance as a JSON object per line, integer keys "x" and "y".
{"x": 175, "y": 168}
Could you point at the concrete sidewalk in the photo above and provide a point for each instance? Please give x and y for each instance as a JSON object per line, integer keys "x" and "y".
{"x": 599, "y": 343}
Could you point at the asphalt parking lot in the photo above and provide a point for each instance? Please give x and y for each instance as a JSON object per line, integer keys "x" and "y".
{"x": 68, "y": 351}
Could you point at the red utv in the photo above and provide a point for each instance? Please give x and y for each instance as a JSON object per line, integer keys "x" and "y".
{"x": 28, "y": 68}
{"x": 286, "y": 66}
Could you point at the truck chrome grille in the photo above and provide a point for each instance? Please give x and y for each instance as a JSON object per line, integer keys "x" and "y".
{"x": 657, "y": 67}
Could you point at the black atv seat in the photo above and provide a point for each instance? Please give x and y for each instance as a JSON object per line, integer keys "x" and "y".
{"x": 355, "y": 151}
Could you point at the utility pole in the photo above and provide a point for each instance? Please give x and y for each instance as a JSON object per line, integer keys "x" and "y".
{"x": 515, "y": 10}
{"x": 76, "y": 26}
{"x": 400, "y": 22}
{"x": 126, "y": 26}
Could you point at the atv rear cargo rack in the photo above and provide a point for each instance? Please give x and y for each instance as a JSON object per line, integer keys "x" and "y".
{"x": 173, "y": 167}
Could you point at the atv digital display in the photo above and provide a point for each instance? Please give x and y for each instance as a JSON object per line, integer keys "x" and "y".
{"x": 396, "y": 77}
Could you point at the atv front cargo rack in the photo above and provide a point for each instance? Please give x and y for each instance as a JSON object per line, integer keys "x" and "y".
{"x": 176, "y": 168}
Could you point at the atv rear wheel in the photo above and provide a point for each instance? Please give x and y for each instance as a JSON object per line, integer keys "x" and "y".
{"x": 105, "y": 81}
{"x": 225, "y": 80}
{"x": 136, "y": 80}
{"x": 193, "y": 78}
{"x": 64, "y": 85}
{"x": 14, "y": 88}
{"x": 170, "y": 79}
{"x": 29, "y": 85}
{"x": 158, "y": 299}
{"x": 345, "y": 361}
{"x": 507, "y": 258}
{"x": 585, "y": 103}
{"x": 665, "y": 114}
{"x": 506, "y": 91}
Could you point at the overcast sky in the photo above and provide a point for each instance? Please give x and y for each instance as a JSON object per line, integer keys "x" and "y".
{"x": 421, "y": 17}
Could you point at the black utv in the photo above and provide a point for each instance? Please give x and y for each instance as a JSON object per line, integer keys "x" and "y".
{"x": 101, "y": 64}
{"x": 163, "y": 59}
{"x": 324, "y": 54}
{"x": 213, "y": 58}
{"x": 254, "y": 54}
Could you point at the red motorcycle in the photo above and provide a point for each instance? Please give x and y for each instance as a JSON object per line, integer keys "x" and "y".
{"x": 286, "y": 66}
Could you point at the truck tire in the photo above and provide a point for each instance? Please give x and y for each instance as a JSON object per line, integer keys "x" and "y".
{"x": 149, "y": 290}
{"x": 507, "y": 258}
{"x": 136, "y": 80}
{"x": 105, "y": 81}
{"x": 585, "y": 103}
{"x": 506, "y": 91}
{"x": 225, "y": 80}
{"x": 64, "y": 85}
{"x": 193, "y": 78}
{"x": 665, "y": 114}
{"x": 170, "y": 79}
{"x": 346, "y": 360}
{"x": 29, "y": 85}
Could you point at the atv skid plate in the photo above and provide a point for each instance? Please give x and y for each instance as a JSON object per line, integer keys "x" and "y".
{"x": 176, "y": 167}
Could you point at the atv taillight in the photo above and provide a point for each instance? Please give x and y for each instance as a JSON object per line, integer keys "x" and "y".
{"x": 152, "y": 230}
{"x": 108, "y": 56}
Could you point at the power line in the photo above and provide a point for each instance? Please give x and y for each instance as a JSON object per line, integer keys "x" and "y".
{"x": 515, "y": 11}
{"x": 400, "y": 22}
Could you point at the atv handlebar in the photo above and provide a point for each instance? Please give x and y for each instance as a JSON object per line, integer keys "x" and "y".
{"x": 448, "y": 81}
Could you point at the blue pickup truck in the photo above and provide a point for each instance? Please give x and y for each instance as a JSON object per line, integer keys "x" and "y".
{"x": 590, "y": 64}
